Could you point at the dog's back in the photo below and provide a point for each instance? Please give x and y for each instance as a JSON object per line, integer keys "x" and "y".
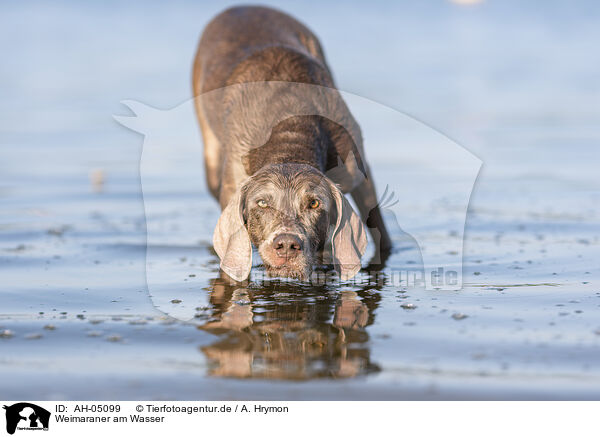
{"x": 247, "y": 36}
{"x": 258, "y": 45}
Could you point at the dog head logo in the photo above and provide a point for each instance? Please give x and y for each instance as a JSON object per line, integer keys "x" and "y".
{"x": 26, "y": 416}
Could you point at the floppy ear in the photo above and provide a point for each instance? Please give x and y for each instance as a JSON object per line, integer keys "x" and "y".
{"x": 232, "y": 242}
{"x": 348, "y": 241}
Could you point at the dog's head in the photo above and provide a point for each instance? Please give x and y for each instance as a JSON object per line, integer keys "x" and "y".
{"x": 291, "y": 213}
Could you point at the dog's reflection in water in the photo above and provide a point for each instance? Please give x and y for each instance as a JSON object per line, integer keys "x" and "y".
{"x": 287, "y": 331}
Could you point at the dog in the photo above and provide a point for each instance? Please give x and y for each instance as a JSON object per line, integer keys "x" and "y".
{"x": 318, "y": 335}
{"x": 281, "y": 149}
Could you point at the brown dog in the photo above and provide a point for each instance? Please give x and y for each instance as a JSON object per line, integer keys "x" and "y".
{"x": 281, "y": 148}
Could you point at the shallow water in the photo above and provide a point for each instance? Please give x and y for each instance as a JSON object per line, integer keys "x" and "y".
{"x": 517, "y": 88}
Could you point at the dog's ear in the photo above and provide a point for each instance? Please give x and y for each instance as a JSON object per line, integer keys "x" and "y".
{"x": 231, "y": 240}
{"x": 348, "y": 238}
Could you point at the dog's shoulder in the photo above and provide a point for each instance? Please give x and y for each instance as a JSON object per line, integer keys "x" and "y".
{"x": 281, "y": 63}
{"x": 249, "y": 34}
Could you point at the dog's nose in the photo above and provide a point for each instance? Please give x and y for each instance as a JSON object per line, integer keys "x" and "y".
{"x": 287, "y": 245}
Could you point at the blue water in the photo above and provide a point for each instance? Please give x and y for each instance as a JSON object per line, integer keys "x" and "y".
{"x": 515, "y": 84}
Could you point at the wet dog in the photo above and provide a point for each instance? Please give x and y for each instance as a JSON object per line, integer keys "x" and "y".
{"x": 281, "y": 148}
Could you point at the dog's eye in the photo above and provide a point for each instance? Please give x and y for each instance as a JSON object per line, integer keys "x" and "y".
{"x": 262, "y": 203}
{"x": 314, "y": 204}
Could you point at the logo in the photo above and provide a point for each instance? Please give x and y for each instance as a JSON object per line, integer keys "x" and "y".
{"x": 25, "y": 416}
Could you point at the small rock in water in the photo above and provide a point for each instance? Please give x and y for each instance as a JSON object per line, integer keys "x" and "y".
{"x": 97, "y": 179}
{"x": 176, "y": 301}
{"x": 459, "y": 316}
{"x": 49, "y": 327}
{"x": 114, "y": 338}
{"x": 408, "y": 306}
{"x": 94, "y": 334}
{"x": 137, "y": 322}
{"x": 6, "y": 333}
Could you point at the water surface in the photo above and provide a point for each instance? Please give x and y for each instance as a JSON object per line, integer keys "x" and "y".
{"x": 514, "y": 85}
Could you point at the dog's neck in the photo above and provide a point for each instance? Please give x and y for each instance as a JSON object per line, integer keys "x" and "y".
{"x": 300, "y": 140}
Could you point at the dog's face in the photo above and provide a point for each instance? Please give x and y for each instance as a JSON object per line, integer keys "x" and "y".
{"x": 290, "y": 212}
{"x": 287, "y": 215}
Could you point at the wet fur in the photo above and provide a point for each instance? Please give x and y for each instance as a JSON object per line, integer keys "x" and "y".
{"x": 244, "y": 45}
{"x": 289, "y": 188}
